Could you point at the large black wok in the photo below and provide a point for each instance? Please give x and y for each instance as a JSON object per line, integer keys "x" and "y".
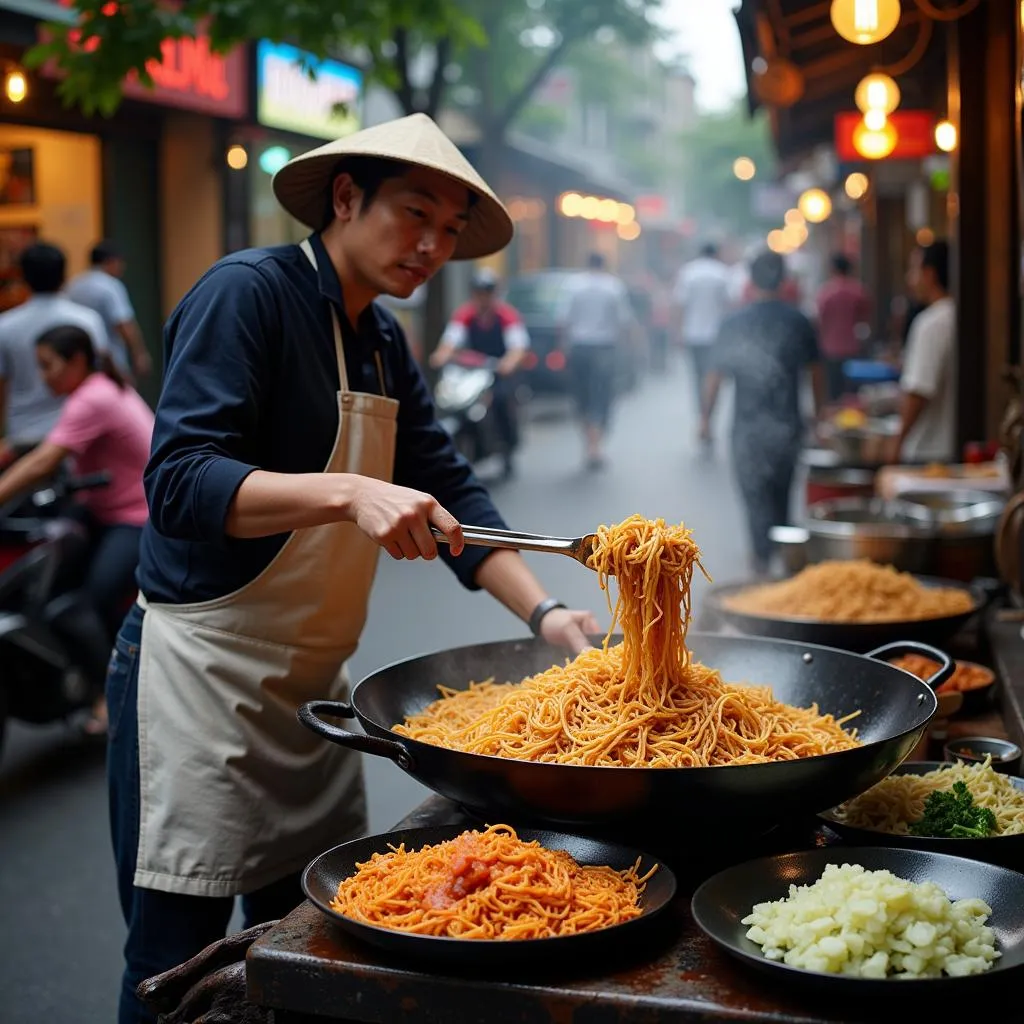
{"x": 895, "y": 709}
{"x": 847, "y": 636}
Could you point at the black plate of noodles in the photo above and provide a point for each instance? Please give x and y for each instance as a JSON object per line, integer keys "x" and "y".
{"x": 371, "y": 898}
{"x": 838, "y": 894}
{"x": 898, "y": 797}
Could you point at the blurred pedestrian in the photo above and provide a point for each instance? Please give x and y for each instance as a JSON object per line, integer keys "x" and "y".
{"x": 928, "y": 383}
{"x": 101, "y": 288}
{"x": 495, "y": 330}
{"x": 844, "y": 312}
{"x": 28, "y": 409}
{"x": 766, "y": 347}
{"x": 597, "y": 322}
{"x": 703, "y": 299}
{"x": 103, "y": 426}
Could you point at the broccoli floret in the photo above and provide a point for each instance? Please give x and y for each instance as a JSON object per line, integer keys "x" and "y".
{"x": 953, "y": 814}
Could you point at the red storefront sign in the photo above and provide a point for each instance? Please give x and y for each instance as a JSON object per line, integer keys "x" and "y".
{"x": 190, "y": 76}
{"x": 915, "y": 130}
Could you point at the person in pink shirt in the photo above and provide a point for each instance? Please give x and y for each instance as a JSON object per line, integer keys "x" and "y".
{"x": 104, "y": 426}
{"x": 844, "y": 314}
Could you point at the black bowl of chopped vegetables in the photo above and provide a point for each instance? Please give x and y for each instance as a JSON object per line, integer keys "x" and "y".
{"x": 952, "y": 823}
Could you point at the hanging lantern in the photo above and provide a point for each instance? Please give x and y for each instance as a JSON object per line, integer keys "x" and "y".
{"x": 946, "y": 136}
{"x": 856, "y": 185}
{"x": 877, "y": 92}
{"x": 865, "y": 21}
{"x": 816, "y": 205}
{"x": 875, "y": 144}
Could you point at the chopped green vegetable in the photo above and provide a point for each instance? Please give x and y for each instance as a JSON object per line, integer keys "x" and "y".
{"x": 953, "y": 814}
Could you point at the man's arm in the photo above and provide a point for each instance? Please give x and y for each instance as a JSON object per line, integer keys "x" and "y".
{"x": 454, "y": 337}
{"x": 6, "y": 451}
{"x": 911, "y": 407}
{"x": 38, "y": 465}
{"x": 138, "y": 354}
{"x": 517, "y": 341}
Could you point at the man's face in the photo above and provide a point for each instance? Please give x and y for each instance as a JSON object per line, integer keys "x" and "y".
{"x": 484, "y": 299}
{"x": 407, "y": 234}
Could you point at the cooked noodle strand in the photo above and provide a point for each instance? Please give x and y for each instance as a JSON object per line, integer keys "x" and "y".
{"x": 489, "y": 885}
{"x": 641, "y": 703}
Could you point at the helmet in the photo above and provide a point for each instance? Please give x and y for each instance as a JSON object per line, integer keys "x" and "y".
{"x": 485, "y": 280}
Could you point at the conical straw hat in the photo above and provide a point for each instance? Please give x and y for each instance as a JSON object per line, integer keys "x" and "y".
{"x": 302, "y": 185}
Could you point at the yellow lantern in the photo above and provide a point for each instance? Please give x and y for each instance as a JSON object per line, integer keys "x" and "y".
{"x": 856, "y": 185}
{"x": 875, "y": 144}
{"x": 16, "y": 86}
{"x": 946, "y": 136}
{"x": 776, "y": 241}
{"x": 877, "y": 92}
{"x": 794, "y": 217}
{"x": 865, "y": 21}
{"x": 815, "y": 205}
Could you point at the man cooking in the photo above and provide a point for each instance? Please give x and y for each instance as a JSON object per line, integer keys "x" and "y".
{"x": 294, "y": 438}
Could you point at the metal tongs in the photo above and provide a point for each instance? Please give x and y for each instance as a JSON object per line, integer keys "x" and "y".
{"x": 580, "y": 548}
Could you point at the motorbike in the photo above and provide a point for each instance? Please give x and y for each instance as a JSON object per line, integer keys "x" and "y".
{"x": 53, "y": 646}
{"x": 464, "y": 397}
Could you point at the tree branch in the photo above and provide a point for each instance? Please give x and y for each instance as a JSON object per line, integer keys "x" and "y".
{"x": 514, "y": 107}
{"x": 405, "y": 92}
{"x": 436, "y": 91}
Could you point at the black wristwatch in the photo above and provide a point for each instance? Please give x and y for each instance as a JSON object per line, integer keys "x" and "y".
{"x": 547, "y": 605}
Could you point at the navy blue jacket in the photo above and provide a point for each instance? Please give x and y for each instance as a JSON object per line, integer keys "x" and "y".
{"x": 251, "y": 382}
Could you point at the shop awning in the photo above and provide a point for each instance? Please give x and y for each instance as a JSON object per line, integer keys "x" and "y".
{"x": 802, "y": 34}
{"x": 42, "y": 10}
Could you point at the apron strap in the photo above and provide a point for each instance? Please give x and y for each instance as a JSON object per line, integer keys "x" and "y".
{"x": 339, "y": 348}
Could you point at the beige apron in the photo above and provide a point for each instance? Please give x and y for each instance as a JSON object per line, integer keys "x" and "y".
{"x": 235, "y": 793}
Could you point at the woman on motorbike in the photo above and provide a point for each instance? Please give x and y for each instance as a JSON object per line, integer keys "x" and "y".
{"x": 104, "y": 426}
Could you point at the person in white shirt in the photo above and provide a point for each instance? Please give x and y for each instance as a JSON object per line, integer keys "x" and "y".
{"x": 928, "y": 408}
{"x": 703, "y": 298}
{"x": 101, "y": 289}
{"x": 597, "y": 319}
{"x": 28, "y": 409}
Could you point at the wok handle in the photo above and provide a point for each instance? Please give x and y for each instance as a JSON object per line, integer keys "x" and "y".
{"x": 947, "y": 666}
{"x": 308, "y": 715}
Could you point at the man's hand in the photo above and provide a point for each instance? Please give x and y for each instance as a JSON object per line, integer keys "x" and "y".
{"x": 399, "y": 519}
{"x": 572, "y": 629}
{"x": 210, "y": 987}
{"x": 142, "y": 364}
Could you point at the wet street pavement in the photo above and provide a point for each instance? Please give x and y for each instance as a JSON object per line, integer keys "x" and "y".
{"x": 60, "y": 927}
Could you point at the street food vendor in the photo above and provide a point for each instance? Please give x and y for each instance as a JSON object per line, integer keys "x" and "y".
{"x": 294, "y": 438}
{"x": 928, "y": 383}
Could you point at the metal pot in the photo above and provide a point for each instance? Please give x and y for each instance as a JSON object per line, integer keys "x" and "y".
{"x": 825, "y": 483}
{"x": 863, "y": 446}
{"x": 957, "y": 544}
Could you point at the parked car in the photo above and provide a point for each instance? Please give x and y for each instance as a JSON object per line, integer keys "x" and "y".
{"x": 541, "y": 299}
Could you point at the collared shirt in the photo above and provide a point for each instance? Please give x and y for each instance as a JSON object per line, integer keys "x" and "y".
{"x": 108, "y": 296}
{"x": 32, "y": 408}
{"x": 251, "y": 382}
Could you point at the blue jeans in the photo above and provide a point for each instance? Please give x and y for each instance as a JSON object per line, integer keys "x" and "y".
{"x": 164, "y": 929}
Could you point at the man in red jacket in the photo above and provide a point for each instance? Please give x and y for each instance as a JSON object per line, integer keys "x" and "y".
{"x": 494, "y": 329}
